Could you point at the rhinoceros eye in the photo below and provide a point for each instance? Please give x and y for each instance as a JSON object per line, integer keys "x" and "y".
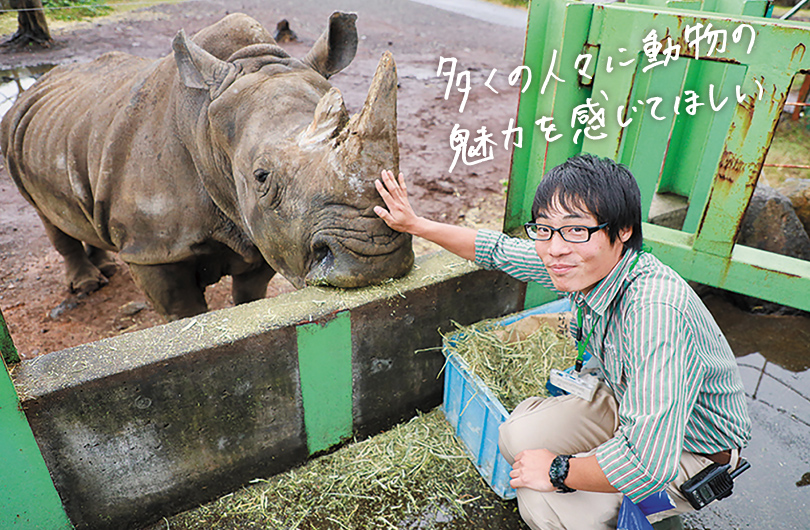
{"x": 261, "y": 175}
{"x": 269, "y": 190}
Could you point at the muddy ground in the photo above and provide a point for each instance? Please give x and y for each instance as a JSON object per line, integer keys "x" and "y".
{"x": 43, "y": 316}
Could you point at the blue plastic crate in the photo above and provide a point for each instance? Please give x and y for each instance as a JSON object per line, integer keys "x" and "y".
{"x": 475, "y": 413}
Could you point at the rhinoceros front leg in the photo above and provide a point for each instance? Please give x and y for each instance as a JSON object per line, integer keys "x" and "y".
{"x": 252, "y": 285}
{"x": 102, "y": 260}
{"x": 81, "y": 275}
{"x": 172, "y": 288}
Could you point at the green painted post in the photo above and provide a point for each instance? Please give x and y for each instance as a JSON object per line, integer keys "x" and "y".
{"x": 325, "y": 371}
{"x": 537, "y": 295}
{"x": 536, "y": 35}
{"x": 651, "y": 132}
{"x": 530, "y": 162}
{"x": 690, "y": 169}
{"x": 28, "y": 498}
{"x": 7, "y": 349}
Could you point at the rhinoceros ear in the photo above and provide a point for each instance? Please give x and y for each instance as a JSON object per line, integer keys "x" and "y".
{"x": 330, "y": 117}
{"x": 198, "y": 68}
{"x": 336, "y": 47}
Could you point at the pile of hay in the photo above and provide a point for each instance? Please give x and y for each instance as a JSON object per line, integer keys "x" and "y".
{"x": 514, "y": 361}
{"x": 413, "y": 473}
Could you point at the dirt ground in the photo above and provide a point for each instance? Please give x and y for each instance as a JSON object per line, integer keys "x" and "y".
{"x": 43, "y": 316}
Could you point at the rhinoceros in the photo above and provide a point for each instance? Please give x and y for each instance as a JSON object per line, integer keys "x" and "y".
{"x": 226, "y": 157}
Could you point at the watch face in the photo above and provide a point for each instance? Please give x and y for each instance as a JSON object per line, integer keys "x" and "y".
{"x": 558, "y": 472}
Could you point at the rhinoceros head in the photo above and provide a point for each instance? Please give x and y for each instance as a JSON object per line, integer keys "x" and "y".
{"x": 293, "y": 169}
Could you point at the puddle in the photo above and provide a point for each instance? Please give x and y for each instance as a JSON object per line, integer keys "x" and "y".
{"x": 782, "y": 340}
{"x": 774, "y": 365}
{"x": 14, "y": 82}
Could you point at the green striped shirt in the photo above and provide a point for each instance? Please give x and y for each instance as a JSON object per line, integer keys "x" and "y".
{"x": 669, "y": 365}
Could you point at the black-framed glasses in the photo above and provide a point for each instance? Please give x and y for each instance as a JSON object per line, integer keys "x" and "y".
{"x": 572, "y": 233}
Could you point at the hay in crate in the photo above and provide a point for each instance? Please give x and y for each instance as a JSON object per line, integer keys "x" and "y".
{"x": 514, "y": 361}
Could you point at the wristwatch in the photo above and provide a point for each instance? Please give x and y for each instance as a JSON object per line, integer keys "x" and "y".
{"x": 558, "y": 472}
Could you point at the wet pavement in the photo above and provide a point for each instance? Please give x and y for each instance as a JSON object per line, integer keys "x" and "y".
{"x": 775, "y": 492}
{"x": 773, "y": 354}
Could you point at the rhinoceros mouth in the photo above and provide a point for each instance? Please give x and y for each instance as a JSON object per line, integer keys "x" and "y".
{"x": 356, "y": 259}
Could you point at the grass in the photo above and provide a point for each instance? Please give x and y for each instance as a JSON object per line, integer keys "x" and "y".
{"x": 511, "y": 3}
{"x": 412, "y": 474}
{"x": 789, "y": 147}
{"x": 75, "y": 9}
{"x": 82, "y": 10}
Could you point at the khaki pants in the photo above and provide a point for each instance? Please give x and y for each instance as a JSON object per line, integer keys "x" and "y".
{"x": 570, "y": 425}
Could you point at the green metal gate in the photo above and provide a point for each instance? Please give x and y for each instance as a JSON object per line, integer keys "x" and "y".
{"x": 688, "y": 100}
{"x": 28, "y": 498}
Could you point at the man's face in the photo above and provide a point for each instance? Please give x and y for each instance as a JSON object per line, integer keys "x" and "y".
{"x": 578, "y": 266}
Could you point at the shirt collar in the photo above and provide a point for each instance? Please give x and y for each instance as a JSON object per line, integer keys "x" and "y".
{"x": 608, "y": 288}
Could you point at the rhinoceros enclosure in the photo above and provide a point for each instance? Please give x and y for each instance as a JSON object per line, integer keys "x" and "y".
{"x": 288, "y": 404}
{"x": 204, "y": 165}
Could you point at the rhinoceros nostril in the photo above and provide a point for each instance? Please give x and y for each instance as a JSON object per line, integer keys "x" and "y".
{"x": 322, "y": 257}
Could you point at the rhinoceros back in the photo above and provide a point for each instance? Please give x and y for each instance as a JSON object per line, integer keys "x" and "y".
{"x": 104, "y": 151}
{"x": 57, "y": 136}
{"x": 96, "y": 149}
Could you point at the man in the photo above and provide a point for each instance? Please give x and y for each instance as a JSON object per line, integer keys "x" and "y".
{"x": 674, "y": 401}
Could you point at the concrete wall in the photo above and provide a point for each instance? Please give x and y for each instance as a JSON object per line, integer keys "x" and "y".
{"x": 154, "y": 422}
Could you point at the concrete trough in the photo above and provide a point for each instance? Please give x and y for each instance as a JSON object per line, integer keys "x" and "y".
{"x": 157, "y": 421}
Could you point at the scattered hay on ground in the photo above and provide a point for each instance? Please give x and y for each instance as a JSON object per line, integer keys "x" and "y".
{"x": 414, "y": 474}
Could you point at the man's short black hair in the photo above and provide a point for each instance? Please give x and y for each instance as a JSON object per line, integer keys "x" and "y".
{"x": 598, "y": 186}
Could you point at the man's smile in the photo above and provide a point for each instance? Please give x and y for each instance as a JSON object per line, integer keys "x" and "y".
{"x": 560, "y": 268}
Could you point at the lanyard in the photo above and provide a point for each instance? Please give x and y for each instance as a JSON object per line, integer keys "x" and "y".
{"x": 581, "y": 345}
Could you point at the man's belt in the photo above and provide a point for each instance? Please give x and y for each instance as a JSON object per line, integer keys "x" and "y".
{"x": 721, "y": 457}
{"x": 724, "y": 457}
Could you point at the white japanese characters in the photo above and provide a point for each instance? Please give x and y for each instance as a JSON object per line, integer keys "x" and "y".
{"x": 588, "y": 120}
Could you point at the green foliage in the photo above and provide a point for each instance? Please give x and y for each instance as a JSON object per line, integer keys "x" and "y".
{"x": 75, "y": 9}
{"x": 789, "y": 148}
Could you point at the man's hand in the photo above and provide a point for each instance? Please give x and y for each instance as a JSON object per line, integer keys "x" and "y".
{"x": 399, "y": 215}
{"x": 531, "y": 470}
{"x": 459, "y": 240}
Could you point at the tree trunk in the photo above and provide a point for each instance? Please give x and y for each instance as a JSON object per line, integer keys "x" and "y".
{"x": 32, "y": 28}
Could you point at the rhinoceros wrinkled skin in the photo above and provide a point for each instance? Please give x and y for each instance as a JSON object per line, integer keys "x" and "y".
{"x": 227, "y": 157}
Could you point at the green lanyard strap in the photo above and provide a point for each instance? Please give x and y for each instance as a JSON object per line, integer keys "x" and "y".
{"x": 581, "y": 345}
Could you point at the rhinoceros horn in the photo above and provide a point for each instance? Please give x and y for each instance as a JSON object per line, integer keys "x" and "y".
{"x": 330, "y": 117}
{"x": 198, "y": 68}
{"x": 371, "y": 134}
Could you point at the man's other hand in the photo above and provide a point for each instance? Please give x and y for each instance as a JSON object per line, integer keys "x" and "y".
{"x": 530, "y": 470}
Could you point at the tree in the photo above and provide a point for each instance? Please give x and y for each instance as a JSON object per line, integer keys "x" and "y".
{"x": 32, "y": 28}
